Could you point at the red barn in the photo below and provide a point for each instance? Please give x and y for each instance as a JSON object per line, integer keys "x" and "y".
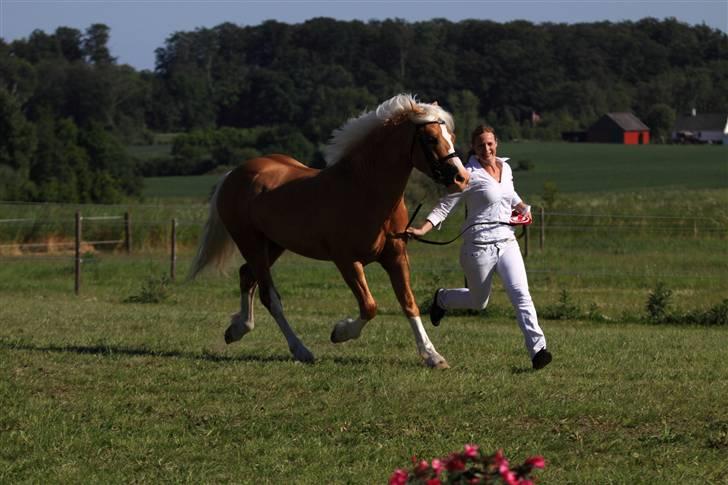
{"x": 623, "y": 128}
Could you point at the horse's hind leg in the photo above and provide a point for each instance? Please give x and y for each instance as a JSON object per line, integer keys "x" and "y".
{"x": 260, "y": 258}
{"x": 243, "y": 322}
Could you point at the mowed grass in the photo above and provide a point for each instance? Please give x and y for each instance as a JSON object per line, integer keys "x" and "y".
{"x": 93, "y": 389}
{"x": 97, "y": 390}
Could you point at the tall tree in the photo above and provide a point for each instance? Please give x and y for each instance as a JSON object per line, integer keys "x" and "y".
{"x": 95, "y": 46}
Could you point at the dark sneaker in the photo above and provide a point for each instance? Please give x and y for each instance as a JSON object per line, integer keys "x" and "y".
{"x": 541, "y": 359}
{"x": 436, "y": 311}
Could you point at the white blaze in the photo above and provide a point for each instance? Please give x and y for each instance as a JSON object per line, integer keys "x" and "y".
{"x": 451, "y": 148}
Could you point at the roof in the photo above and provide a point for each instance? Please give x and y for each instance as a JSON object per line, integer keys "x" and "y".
{"x": 702, "y": 122}
{"x": 627, "y": 121}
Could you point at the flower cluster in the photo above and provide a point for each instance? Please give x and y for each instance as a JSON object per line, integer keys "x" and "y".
{"x": 471, "y": 466}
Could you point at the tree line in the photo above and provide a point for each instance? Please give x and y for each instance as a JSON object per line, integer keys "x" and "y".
{"x": 68, "y": 109}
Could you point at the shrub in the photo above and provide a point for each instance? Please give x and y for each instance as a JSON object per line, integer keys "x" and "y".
{"x": 565, "y": 309}
{"x": 154, "y": 290}
{"x": 658, "y": 302}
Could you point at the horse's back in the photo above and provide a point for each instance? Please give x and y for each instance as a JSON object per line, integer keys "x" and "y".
{"x": 270, "y": 171}
{"x": 243, "y": 186}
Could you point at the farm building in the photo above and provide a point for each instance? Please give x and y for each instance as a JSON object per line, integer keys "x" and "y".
{"x": 623, "y": 128}
{"x": 701, "y": 128}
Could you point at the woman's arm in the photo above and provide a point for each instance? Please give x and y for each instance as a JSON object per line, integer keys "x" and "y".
{"x": 420, "y": 231}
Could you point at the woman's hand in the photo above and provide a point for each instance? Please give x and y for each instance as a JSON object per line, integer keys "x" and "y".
{"x": 419, "y": 231}
{"x": 523, "y": 209}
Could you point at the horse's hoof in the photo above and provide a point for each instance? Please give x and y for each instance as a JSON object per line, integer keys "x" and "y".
{"x": 228, "y": 337}
{"x": 436, "y": 362}
{"x": 344, "y": 330}
{"x": 302, "y": 354}
{"x": 235, "y": 333}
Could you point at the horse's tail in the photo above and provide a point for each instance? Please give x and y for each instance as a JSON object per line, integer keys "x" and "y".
{"x": 216, "y": 246}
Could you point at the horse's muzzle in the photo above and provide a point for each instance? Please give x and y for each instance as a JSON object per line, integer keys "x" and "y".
{"x": 460, "y": 179}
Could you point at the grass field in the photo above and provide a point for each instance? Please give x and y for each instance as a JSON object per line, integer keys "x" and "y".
{"x": 93, "y": 389}
{"x": 97, "y": 390}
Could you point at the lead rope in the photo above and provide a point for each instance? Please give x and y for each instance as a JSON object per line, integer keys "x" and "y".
{"x": 444, "y": 243}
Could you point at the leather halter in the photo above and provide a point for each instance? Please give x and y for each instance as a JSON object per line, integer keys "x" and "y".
{"x": 441, "y": 171}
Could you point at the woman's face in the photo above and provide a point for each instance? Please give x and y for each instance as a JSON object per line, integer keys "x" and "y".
{"x": 485, "y": 146}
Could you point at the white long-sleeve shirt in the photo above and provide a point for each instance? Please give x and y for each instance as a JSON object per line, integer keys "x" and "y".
{"x": 486, "y": 200}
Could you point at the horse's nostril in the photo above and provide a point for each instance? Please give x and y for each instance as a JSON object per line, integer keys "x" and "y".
{"x": 459, "y": 178}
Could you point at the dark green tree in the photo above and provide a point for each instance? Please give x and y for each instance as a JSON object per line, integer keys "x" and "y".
{"x": 95, "y": 46}
{"x": 661, "y": 119}
{"x": 17, "y": 145}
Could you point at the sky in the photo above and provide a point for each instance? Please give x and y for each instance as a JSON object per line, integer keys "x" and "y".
{"x": 138, "y": 27}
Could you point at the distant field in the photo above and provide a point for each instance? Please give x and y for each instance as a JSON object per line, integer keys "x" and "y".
{"x": 585, "y": 167}
{"x": 195, "y": 187}
{"x": 573, "y": 167}
{"x": 145, "y": 152}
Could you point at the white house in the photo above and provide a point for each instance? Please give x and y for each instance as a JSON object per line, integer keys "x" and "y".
{"x": 702, "y": 128}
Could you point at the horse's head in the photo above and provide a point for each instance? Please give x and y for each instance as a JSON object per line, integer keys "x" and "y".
{"x": 439, "y": 159}
{"x": 432, "y": 150}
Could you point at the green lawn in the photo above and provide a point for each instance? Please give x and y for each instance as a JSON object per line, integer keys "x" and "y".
{"x": 96, "y": 390}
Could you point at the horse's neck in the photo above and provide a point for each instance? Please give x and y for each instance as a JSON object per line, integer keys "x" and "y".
{"x": 382, "y": 164}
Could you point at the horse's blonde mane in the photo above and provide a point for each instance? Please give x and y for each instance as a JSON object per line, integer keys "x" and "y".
{"x": 393, "y": 111}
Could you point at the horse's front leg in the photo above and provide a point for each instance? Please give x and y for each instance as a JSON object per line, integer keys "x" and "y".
{"x": 395, "y": 262}
{"x": 350, "y": 328}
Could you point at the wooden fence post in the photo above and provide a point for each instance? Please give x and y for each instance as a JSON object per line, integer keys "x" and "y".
{"x": 77, "y": 264}
{"x": 543, "y": 230}
{"x": 173, "y": 259}
{"x": 127, "y": 232}
{"x": 526, "y": 237}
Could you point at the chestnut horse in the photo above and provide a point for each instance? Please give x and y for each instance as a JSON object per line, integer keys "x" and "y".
{"x": 351, "y": 213}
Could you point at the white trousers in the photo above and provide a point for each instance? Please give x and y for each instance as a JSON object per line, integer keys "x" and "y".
{"x": 479, "y": 262}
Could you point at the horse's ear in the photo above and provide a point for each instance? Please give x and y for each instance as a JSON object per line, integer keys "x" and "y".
{"x": 435, "y": 103}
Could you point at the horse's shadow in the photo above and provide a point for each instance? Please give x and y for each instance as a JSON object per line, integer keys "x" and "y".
{"x": 117, "y": 350}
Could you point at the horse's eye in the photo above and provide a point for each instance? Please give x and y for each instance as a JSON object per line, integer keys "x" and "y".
{"x": 432, "y": 140}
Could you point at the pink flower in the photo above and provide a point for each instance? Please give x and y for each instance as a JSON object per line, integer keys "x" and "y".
{"x": 501, "y": 462}
{"x": 455, "y": 463}
{"x": 399, "y": 477}
{"x": 536, "y": 462}
{"x": 509, "y": 478}
{"x": 499, "y": 457}
{"x": 422, "y": 468}
{"x": 437, "y": 466}
{"x": 433, "y": 481}
{"x": 471, "y": 451}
